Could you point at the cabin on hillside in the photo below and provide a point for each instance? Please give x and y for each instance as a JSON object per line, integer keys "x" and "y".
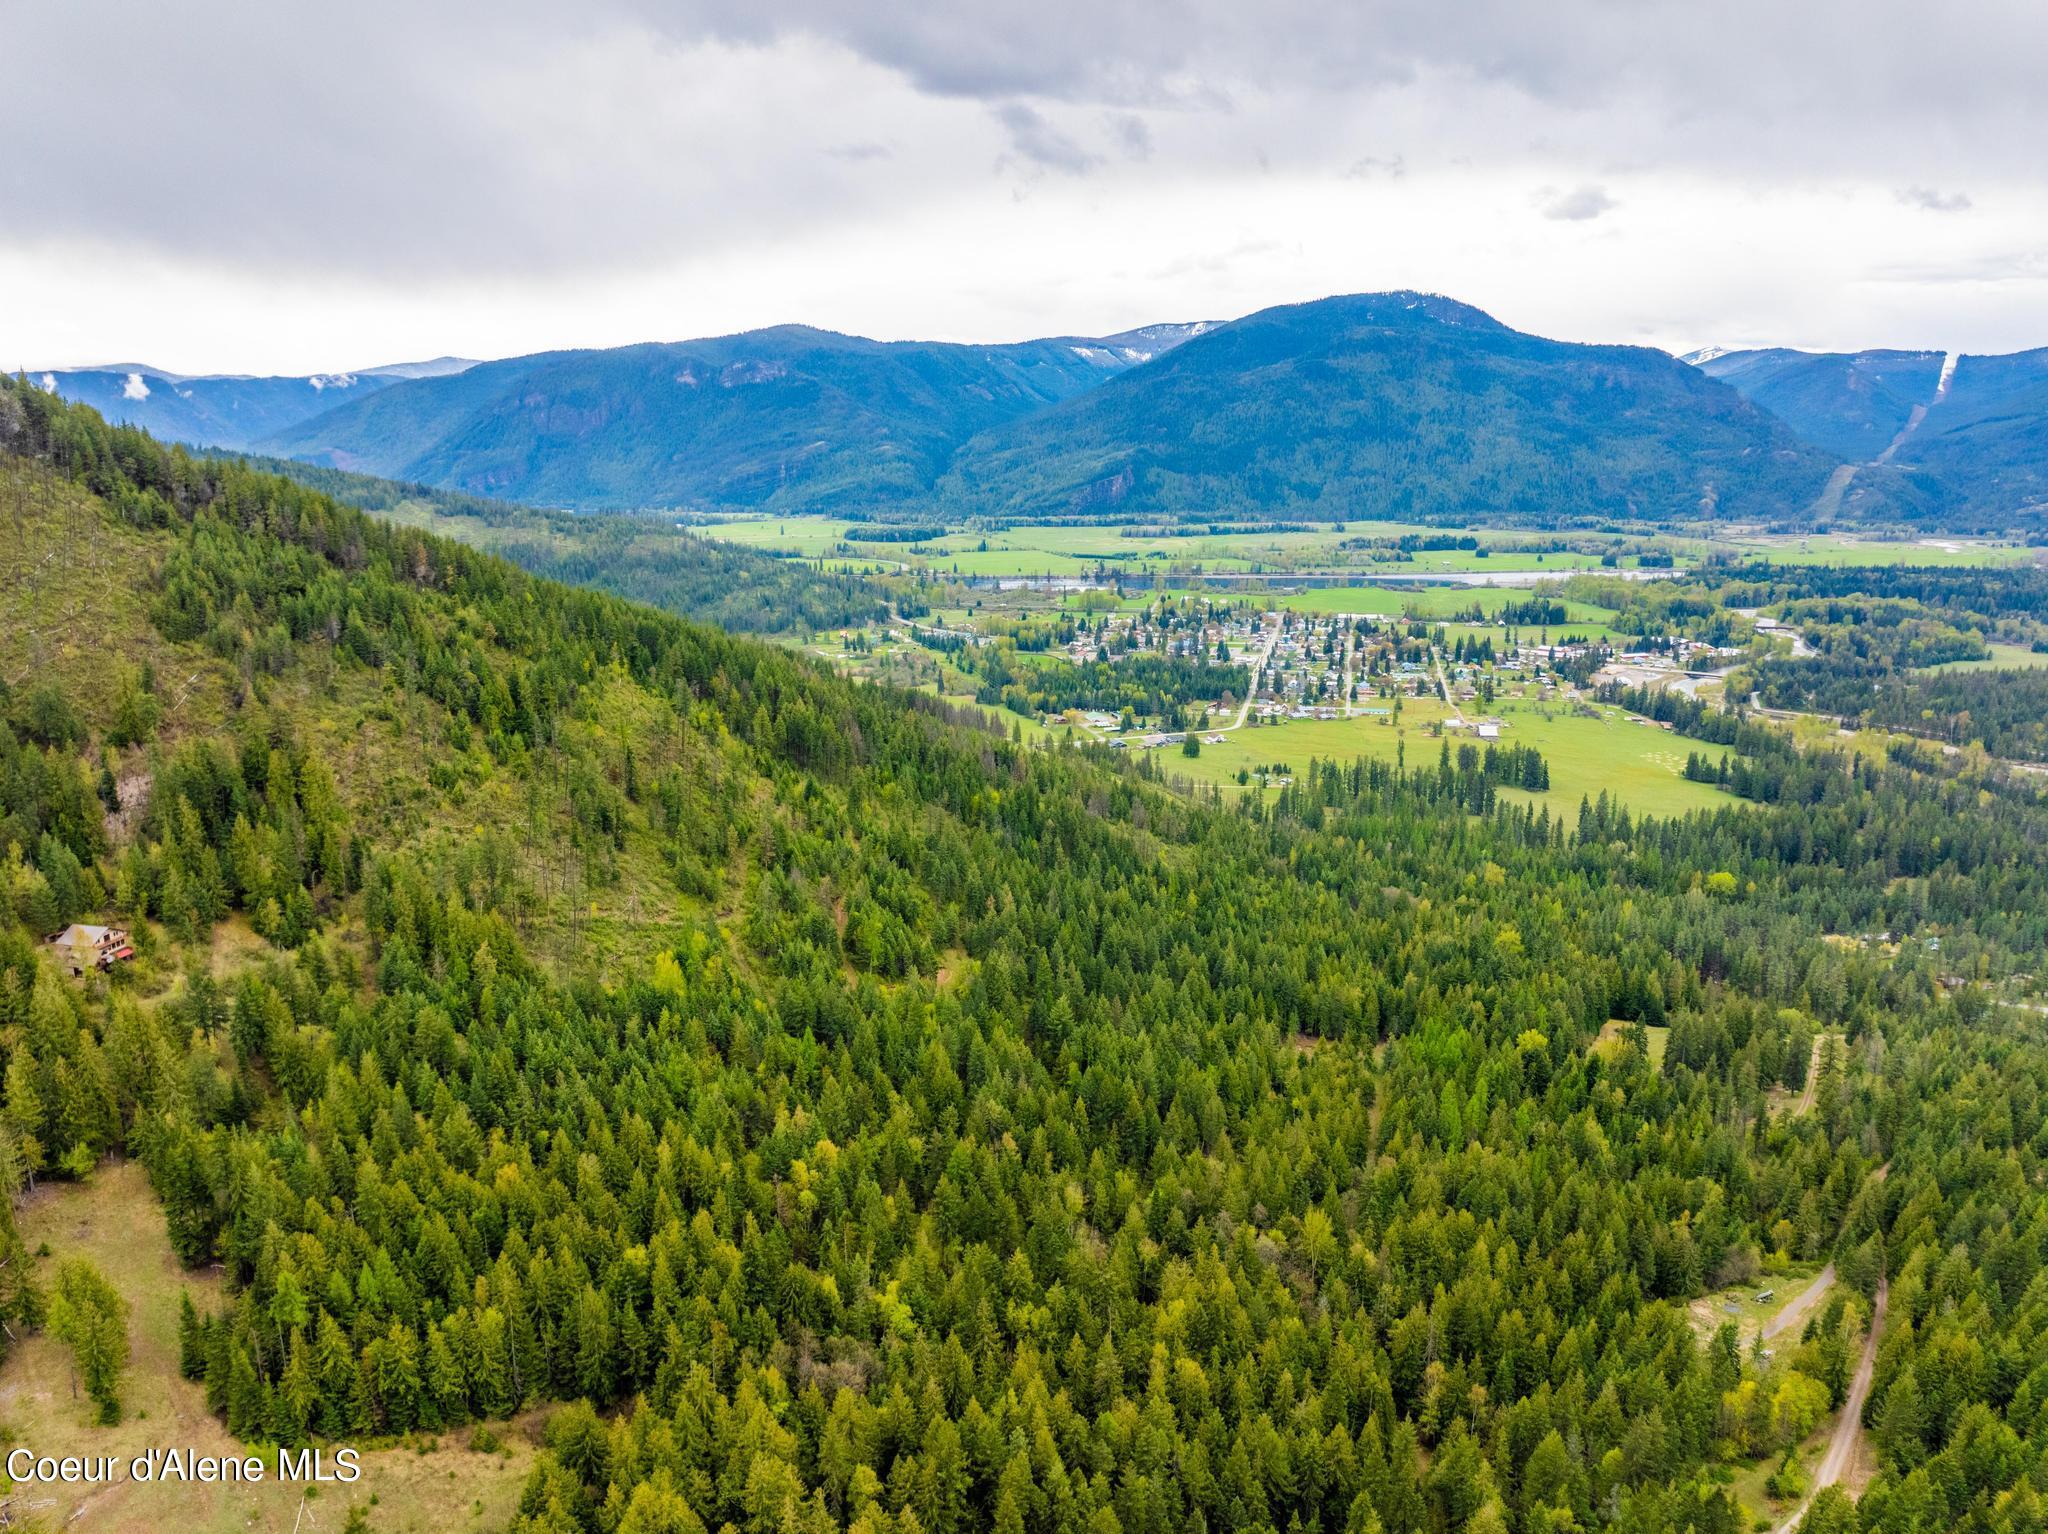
{"x": 80, "y": 947}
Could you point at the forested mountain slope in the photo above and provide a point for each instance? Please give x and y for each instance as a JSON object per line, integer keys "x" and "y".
{"x": 1988, "y": 438}
{"x": 1396, "y": 405}
{"x": 923, "y": 1134}
{"x": 788, "y": 418}
{"x": 1852, "y": 404}
{"x": 649, "y": 559}
{"x": 1962, "y": 449}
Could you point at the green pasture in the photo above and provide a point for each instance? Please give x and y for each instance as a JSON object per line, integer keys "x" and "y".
{"x": 1639, "y": 764}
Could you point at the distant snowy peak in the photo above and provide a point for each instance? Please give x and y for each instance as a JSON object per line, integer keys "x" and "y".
{"x": 1149, "y": 341}
{"x": 1705, "y": 355}
{"x": 1132, "y": 348}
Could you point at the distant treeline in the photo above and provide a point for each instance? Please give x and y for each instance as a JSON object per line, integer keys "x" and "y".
{"x": 1964, "y": 593}
{"x": 1150, "y": 685}
{"x": 1700, "y": 721}
{"x": 893, "y": 532}
{"x": 2007, "y": 710}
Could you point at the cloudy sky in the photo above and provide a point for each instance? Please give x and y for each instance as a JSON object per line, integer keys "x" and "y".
{"x": 297, "y": 186}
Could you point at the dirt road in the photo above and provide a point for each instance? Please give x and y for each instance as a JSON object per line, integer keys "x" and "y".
{"x": 1443, "y": 685}
{"x": 1841, "y": 1451}
{"x": 1794, "y": 1315}
{"x": 1805, "y": 1102}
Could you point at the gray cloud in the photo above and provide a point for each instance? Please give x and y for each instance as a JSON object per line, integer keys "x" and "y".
{"x": 1932, "y": 200}
{"x": 1576, "y": 205}
{"x": 1720, "y": 61}
{"x": 396, "y": 145}
{"x": 1372, "y": 167}
{"x": 1038, "y": 141}
{"x": 395, "y": 137}
{"x": 1131, "y": 135}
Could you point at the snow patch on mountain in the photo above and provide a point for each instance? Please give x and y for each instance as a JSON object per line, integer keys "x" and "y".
{"x": 1948, "y": 373}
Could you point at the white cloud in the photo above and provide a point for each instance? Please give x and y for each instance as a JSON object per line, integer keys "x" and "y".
{"x": 135, "y": 388}
{"x": 49, "y": 383}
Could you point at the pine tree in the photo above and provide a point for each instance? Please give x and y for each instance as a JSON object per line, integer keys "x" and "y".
{"x": 191, "y": 1338}
{"x": 89, "y": 1316}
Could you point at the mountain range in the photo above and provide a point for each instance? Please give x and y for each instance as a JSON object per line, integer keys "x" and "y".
{"x": 227, "y": 409}
{"x": 789, "y": 417}
{"x": 1956, "y": 439}
{"x": 1396, "y": 405}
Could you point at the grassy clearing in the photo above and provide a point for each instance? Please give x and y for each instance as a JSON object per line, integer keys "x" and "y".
{"x": 811, "y": 537}
{"x": 2003, "y": 657}
{"x": 114, "y": 1221}
{"x": 1842, "y": 549}
{"x": 1738, "y": 1303}
{"x": 1297, "y": 742}
{"x": 1639, "y": 764}
{"x": 1613, "y": 1038}
{"x": 1076, "y": 550}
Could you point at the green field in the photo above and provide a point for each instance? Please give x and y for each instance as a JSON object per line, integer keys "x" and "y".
{"x": 1639, "y": 764}
{"x": 1079, "y": 550}
{"x": 1838, "y": 549}
{"x": 2003, "y": 657}
{"x": 1394, "y": 600}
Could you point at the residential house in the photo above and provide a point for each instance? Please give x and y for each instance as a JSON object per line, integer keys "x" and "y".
{"x": 80, "y": 947}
